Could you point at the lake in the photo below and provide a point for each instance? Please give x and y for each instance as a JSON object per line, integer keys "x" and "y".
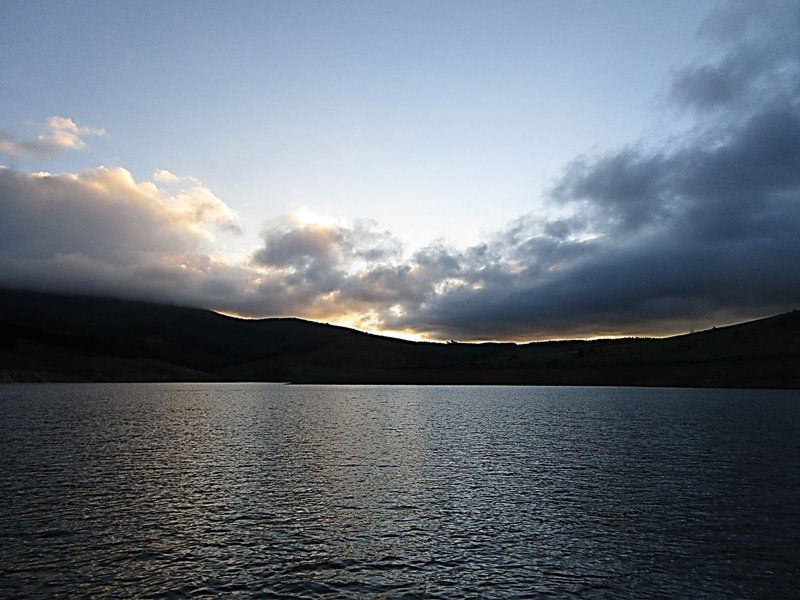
{"x": 398, "y": 491}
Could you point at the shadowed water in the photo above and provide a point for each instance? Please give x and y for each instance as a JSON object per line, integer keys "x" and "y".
{"x": 183, "y": 490}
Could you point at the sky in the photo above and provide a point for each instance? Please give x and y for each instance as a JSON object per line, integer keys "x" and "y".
{"x": 467, "y": 170}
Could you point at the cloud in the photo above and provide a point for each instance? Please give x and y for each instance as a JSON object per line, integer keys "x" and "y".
{"x": 101, "y": 231}
{"x": 653, "y": 237}
{"x": 755, "y": 57}
{"x": 62, "y": 134}
{"x": 695, "y": 230}
{"x": 165, "y": 176}
{"x": 311, "y": 268}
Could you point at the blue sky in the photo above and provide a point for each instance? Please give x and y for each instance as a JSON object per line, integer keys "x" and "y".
{"x": 470, "y": 170}
{"x": 432, "y": 118}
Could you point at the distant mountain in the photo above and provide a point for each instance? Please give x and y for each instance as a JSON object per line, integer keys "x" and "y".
{"x": 51, "y": 337}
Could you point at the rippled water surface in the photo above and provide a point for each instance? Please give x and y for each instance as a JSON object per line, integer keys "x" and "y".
{"x": 182, "y": 490}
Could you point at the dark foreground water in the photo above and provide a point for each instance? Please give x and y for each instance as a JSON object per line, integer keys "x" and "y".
{"x": 271, "y": 490}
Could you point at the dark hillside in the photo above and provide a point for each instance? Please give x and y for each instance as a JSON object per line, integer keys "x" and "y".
{"x": 49, "y": 337}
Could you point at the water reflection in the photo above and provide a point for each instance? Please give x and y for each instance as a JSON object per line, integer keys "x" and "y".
{"x": 449, "y": 491}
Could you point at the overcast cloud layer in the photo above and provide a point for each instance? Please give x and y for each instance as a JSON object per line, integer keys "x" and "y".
{"x": 655, "y": 237}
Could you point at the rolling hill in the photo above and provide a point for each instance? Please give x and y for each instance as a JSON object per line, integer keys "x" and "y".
{"x": 52, "y": 337}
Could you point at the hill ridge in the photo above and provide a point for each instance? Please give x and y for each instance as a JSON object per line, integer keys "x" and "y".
{"x": 69, "y": 337}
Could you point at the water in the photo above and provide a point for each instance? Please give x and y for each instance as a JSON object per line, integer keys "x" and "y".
{"x": 401, "y": 491}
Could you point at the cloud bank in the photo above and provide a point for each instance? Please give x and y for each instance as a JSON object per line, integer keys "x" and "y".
{"x": 654, "y": 237}
{"x": 100, "y": 231}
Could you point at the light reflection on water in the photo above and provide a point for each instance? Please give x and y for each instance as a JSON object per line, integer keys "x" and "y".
{"x": 176, "y": 489}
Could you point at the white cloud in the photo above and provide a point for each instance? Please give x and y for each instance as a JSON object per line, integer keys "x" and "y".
{"x": 103, "y": 212}
{"x": 101, "y": 231}
{"x": 61, "y": 134}
{"x": 165, "y": 176}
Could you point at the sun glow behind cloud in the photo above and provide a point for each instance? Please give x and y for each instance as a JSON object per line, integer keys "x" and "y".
{"x": 305, "y": 216}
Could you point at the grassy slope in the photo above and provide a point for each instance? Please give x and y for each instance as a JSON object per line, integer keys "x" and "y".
{"x": 66, "y": 338}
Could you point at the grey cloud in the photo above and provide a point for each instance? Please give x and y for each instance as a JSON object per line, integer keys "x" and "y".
{"x": 698, "y": 230}
{"x": 757, "y": 45}
{"x": 291, "y": 244}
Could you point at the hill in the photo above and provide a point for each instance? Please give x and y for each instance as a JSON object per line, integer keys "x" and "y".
{"x": 52, "y": 337}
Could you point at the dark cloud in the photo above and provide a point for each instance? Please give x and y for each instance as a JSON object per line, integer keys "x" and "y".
{"x": 700, "y": 229}
{"x": 757, "y": 49}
